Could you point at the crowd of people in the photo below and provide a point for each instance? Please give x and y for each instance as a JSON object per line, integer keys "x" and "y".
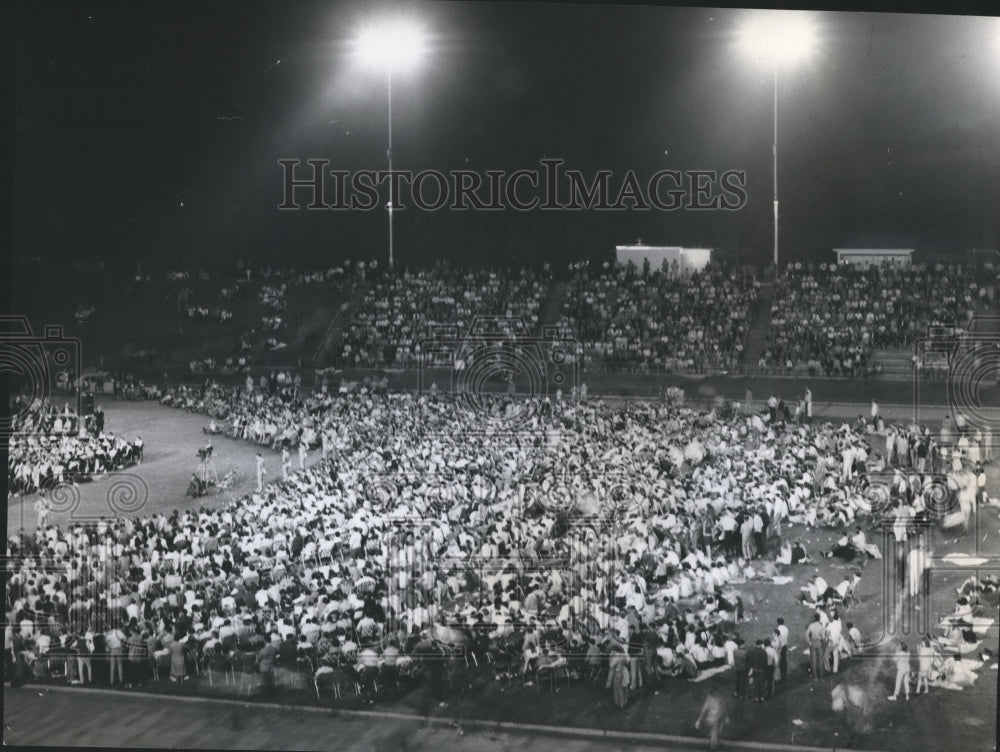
{"x": 661, "y": 319}
{"x": 403, "y": 310}
{"x": 256, "y": 301}
{"x": 597, "y": 538}
{"x": 829, "y": 319}
{"x": 826, "y": 319}
{"x": 49, "y": 447}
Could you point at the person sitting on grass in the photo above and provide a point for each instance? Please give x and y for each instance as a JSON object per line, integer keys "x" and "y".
{"x": 816, "y": 591}
{"x": 799, "y": 555}
{"x": 688, "y": 668}
{"x": 853, "y": 638}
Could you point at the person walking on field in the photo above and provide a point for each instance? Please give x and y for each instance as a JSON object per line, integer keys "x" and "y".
{"x": 850, "y": 702}
{"x": 715, "y": 715}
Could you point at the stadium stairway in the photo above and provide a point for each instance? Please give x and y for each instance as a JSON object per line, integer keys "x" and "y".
{"x": 552, "y": 309}
{"x": 760, "y": 320}
{"x": 897, "y": 363}
{"x": 329, "y": 345}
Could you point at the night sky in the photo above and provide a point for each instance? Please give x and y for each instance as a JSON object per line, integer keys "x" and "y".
{"x": 153, "y": 130}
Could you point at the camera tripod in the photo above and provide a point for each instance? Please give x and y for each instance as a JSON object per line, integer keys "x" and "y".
{"x": 206, "y": 472}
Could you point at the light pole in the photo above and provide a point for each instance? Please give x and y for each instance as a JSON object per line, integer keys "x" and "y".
{"x": 778, "y": 37}
{"x": 392, "y": 45}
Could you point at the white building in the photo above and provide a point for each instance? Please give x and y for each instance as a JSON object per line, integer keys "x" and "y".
{"x": 868, "y": 256}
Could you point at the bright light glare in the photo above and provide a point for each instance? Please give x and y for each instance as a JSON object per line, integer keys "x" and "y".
{"x": 779, "y": 36}
{"x": 393, "y": 45}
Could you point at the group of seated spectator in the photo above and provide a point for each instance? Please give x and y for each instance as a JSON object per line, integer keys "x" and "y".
{"x": 829, "y": 319}
{"x": 48, "y": 449}
{"x": 403, "y": 309}
{"x": 417, "y": 530}
{"x": 267, "y": 291}
{"x": 664, "y": 319}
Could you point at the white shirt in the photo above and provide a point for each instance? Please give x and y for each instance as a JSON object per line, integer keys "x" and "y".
{"x": 782, "y": 640}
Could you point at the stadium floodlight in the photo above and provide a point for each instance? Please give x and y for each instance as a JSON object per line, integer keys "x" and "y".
{"x": 392, "y": 45}
{"x": 778, "y": 38}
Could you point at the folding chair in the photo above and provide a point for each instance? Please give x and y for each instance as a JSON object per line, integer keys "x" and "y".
{"x": 161, "y": 662}
{"x": 219, "y": 662}
{"x": 551, "y": 676}
{"x": 389, "y": 677}
{"x": 326, "y": 677}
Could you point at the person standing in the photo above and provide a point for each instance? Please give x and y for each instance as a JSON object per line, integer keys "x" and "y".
{"x": 758, "y": 670}
{"x": 286, "y": 463}
{"x": 261, "y": 472}
{"x": 427, "y": 652}
{"x": 831, "y": 651}
{"x": 740, "y": 669}
{"x": 714, "y": 714}
{"x": 178, "y": 662}
{"x": 303, "y": 453}
{"x": 925, "y": 660}
{"x": 618, "y": 677}
{"x": 808, "y": 399}
{"x": 42, "y": 508}
{"x": 779, "y": 514}
{"x": 747, "y": 530}
{"x": 781, "y": 645}
{"x": 916, "y": 564}
{"x": 730, "y": 532}
{"x": 814, "y": 636}
{"x": 115, "y": 642}
{"x": 772, "y": 665}
{"x": 760, "y": 523}
{"x": 902, "y": 662}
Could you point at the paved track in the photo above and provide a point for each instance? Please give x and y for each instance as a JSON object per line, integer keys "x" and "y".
{"x": 76, "y": 718}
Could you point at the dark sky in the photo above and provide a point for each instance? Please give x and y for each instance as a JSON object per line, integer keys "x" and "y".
{"x": 153, "y": 130}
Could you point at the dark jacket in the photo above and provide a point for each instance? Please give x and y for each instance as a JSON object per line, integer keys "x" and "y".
{"x": 758, "y": 658}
